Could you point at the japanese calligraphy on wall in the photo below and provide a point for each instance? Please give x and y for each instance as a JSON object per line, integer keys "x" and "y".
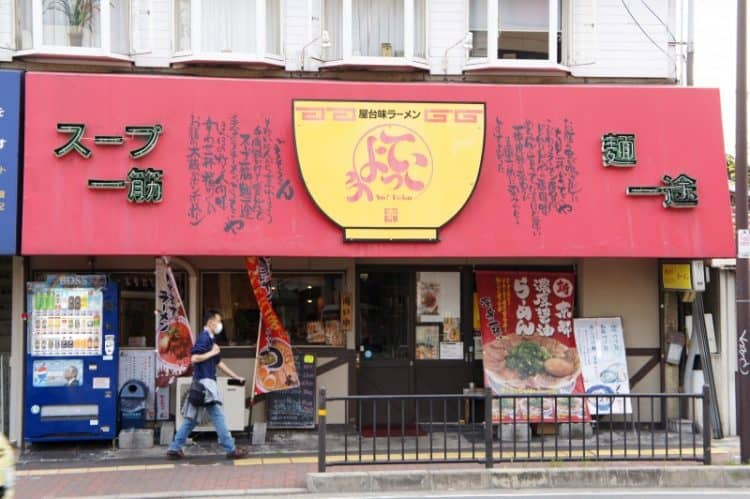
{"x": 388, "y": 170}
{"x": 679, "y": 192}
{"x": 10, "y": 95}
{"x": 527, "y": 341}
{"x": 235, "y": 173}
{"x": 539, "y": 164}
{"x": 143, "y": 185}
{"x": 618, "y": 149}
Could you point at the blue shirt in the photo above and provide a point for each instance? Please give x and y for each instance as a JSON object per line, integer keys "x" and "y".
{"x": 207, "y": 368}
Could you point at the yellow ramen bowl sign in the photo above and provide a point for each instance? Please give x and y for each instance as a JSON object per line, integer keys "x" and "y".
{"x": 389, "y": 170}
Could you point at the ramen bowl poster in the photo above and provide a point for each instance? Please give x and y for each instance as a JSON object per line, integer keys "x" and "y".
{"x": 528, "y": 345}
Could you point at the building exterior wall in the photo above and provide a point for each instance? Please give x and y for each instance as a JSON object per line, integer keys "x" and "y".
{"x": 600, "y": 39}
{"x": 151, "y": 36}
{"x": 628, "y": 289}
{"x": 608, "y": 42}
{"x": 6, "y": 30}
{"x": 601, "y": 42}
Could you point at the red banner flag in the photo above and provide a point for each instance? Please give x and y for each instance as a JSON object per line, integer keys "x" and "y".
{"x": 174, "y": 337}
{"x": 528, "y": 345}
{"x": 274, "y": 360}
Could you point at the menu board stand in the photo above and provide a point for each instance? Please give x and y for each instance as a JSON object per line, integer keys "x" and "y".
{"x": 295, "y": 408}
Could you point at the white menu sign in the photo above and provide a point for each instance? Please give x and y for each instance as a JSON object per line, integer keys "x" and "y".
{"x": 140, "y": 365}
{"x": 601, "y": 347}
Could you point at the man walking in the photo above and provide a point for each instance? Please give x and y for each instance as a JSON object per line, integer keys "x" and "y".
{"x": 206, "y": 358}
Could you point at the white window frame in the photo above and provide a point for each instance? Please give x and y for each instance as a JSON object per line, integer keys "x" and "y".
{"x": 493, "y": 29}
{"x": 408, "y": 58}
{"x": 260, "y": 57}
{"x": 105, "y": 35}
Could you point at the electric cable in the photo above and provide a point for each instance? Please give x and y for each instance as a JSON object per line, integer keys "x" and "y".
{"x": 645, "y": 33}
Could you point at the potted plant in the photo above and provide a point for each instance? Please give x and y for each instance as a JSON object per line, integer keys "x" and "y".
{"x": 78, "y": 13}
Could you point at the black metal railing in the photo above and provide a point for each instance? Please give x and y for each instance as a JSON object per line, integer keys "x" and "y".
{"x": 403, "y": 429}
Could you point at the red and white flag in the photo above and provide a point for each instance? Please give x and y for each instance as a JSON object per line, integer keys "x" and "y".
{"x": 274, "y": 359}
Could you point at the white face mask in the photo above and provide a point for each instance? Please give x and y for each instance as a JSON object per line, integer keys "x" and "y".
{"x": 219, "y": 328}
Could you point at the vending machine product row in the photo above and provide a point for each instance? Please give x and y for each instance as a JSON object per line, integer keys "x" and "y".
{"x": 71, "y": 359}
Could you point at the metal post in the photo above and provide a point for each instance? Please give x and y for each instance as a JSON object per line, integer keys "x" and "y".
{"x": 322, "y": 430}
{"x": 488, "y": 456}
{"x": 741, "y": 290}
{"x": 706, "y": 424}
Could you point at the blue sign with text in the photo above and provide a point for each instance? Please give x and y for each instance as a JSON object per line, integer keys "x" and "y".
{"x": 10, "y": 112}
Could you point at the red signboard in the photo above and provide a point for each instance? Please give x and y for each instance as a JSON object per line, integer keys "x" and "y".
{"x": 528, "y": 344}
{"x": 201, "y": 166}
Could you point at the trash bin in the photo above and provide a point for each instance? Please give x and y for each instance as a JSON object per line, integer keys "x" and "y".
{"x": 133, "y": 404}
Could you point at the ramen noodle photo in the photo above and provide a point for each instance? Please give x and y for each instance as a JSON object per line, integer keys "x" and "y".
{"x": 427, "y": 298}
{"x": 517, "y": 363}
{"x": 428, "y": 339}
{"x": 277, "y": 370}
{"x": 451, "y": 331}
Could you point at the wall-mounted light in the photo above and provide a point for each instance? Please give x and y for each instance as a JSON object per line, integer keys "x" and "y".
{"x": 325, "y": 42}
{"x": 467, "y": 42}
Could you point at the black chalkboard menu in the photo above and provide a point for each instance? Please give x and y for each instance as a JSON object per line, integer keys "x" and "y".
{"x": 295, "y": 408}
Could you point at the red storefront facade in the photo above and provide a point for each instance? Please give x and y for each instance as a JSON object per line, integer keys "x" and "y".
{"x": 678, "y": 131}
{"x": 216, "y": 162}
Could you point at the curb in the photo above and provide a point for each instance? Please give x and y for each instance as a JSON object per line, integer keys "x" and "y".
{"x": 202, "y": 493}
{"x": 513, "y": 479}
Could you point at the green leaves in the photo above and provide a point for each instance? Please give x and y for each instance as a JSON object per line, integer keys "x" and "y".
{"x": 527, "y": 358}
{"x": 79, "y": 13}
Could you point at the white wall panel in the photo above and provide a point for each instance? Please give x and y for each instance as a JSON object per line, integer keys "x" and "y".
{"x": 152, "y": 36}
{"x": 608, "y": 42}
{"x": 447, "y": 25}
{"x": 6, "y": 30}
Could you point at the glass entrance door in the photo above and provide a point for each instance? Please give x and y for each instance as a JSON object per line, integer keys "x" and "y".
{"x": 385, "y": 342}
{"x": 412, "y": 333}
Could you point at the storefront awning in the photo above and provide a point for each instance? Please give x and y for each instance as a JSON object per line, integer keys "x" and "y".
{"x": 146, "y": 165}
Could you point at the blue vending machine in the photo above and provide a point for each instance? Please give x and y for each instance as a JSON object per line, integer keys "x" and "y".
{"x": 71, "y": 359}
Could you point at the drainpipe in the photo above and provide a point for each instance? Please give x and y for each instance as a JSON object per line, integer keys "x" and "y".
{"x": 18, "y": 333}
{"x": 743, "y": 298}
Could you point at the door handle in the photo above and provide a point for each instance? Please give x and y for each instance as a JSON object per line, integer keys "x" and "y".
{"x": 356, "y": 361}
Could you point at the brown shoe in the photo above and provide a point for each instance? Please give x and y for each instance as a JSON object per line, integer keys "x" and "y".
{"x": 237, "y": 453}
{"x": 175, "y": 454}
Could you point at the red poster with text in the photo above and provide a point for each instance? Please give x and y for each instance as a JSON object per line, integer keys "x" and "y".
{"x": 528, "y": 345}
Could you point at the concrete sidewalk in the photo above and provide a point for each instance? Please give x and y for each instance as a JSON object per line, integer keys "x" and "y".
{"x": 204, "y": 474}
{"x": 274, "y": 479}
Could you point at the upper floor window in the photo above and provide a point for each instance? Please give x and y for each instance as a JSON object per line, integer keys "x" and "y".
{"x": 228, "y": 29}
{"x": 515, "y": 30}
{"x": 383, "y": 29}
{"x": 85, "y": 27}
